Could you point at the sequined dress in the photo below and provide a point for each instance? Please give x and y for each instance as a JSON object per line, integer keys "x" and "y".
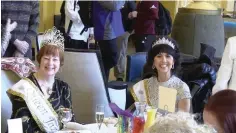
{"x": 147, "y": 90}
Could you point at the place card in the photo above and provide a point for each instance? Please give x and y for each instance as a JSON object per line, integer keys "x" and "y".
{"x": 167, "y": 98}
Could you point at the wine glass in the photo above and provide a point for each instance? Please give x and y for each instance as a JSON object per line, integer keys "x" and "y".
{"x": 65, "y": 116}
{"x": 99, "y": 116}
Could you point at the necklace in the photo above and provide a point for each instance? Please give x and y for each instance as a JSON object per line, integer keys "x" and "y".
{"x": 48, "y": 88}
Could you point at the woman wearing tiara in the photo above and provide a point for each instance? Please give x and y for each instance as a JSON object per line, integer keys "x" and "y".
{"x": 164, "y": 59}
{"x": 38, "y": 98}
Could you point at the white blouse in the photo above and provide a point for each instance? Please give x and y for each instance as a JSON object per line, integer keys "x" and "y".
{"x": 77, "y": 25}
{"x": 226, "y": 76}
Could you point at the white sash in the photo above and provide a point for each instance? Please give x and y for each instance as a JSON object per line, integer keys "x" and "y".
{"x": 140, "y": 92}
{"x": 40, "y": 108}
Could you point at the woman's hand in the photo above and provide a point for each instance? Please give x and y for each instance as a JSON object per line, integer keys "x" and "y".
{"x": 91, "y": 37}
{"x": 10, "y": 26}
{"x": 21, "y": 46}
{"x": 132, "y": 15}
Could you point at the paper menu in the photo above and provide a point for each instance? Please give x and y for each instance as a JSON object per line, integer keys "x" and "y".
{"x": 15, "y": 125}
{"x": 167, "y": 98}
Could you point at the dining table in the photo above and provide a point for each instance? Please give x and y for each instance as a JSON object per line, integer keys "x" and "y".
{"x": 90, "y": 128}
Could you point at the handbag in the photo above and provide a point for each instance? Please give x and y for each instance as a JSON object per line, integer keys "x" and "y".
{"x": 66, "y": 34}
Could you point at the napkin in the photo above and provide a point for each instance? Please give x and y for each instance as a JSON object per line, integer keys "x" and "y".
{"x": 119, "y": 111}
{"x": 15, "y": 125}
{"x": 75, "y": 126}
{"x": 110, "y": 120}
{"x": 104, "y": 129}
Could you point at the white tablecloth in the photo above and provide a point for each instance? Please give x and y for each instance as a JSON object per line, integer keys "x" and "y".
{"x": 104, "y": 129}
{"x": 89, "y": 128}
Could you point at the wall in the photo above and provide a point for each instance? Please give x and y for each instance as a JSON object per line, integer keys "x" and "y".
{"x": 171, "y": 6}
{"x": 228, "y": 5}
{"x": 47, "y": 11}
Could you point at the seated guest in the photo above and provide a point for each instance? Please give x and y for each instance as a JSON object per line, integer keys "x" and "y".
{"x": 179, "y": 122}
{"x": 226, "y": 77}
{"x": 164, "y": 59}
{"x": 220, "y": 111}
{"x": 38, "y": 98}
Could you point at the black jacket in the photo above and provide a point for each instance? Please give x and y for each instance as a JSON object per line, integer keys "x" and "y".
{"x": 129, "y": 6}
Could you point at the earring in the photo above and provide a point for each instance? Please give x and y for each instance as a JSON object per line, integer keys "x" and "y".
{"x": 173, "y": 66}
{"x": 153, "y": 67}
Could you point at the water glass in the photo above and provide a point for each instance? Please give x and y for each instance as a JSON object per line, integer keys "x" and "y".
{"x": 65, "y": 116}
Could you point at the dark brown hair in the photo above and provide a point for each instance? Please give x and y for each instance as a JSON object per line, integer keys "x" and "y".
{"x": 223, "y": 106}
{"x": 51, "y": 50}
{"x": 163, "y": 48}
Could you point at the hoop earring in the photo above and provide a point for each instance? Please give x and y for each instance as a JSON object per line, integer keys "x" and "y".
{"x": 153, "y": 67}
{"x": 173, "y": 66}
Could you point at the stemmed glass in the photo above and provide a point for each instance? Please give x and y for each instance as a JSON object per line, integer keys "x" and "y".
{"x": 99, "y": 115}
{"x": 65, "y": 116}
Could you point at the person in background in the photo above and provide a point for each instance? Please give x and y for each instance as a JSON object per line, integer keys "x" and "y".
{"x": 107, "y": 27}
{"x": 78, "y": 41}
{"x": 37, "y": 100}
{"x": 6, "y": 35}
{"x": 164, "y": 59}
{"x": 26, "y": 15}
{"x": 179, "y": 122}
{"x": 226, "y": 76}
{"x": 144, "y": 28}
{"x": 122, "y": 41}
{"x": 220, "y": 111}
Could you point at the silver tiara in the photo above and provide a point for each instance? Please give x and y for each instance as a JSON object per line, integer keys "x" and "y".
{"x": 53, "y": 37}
{"x": 163, "y": 41}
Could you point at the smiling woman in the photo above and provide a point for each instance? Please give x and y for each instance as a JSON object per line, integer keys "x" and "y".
{"x": 38, "y": 98}
{"x": 164, "y": 59}
{"x": 50, "y": 54}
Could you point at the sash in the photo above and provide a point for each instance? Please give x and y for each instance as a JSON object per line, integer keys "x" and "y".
{"x": 140, "y": 92}
{"x": 39, "y": 106}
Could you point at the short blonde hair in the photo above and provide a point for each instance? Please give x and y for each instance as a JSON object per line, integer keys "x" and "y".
{"x": 179, "y": 122}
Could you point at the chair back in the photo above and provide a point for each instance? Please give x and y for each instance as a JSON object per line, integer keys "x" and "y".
{"x": 57, "y": 21}
{"x": 84, "y": 72}
{"x": 39, "y": 39}
{"x": 8, "y": 79}
{"x": 117, "y": 91}
{"x": 135, "y": 64}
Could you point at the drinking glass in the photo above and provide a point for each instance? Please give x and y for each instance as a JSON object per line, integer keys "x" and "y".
{"x": 99, "y": 115}
{"x": 65, "y": 116}
{"x": 151, "y": 115}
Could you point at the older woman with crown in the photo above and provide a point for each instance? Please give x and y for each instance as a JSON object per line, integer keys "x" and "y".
{"x": 164, "y": 59}
{"x": 38, "y": 98}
